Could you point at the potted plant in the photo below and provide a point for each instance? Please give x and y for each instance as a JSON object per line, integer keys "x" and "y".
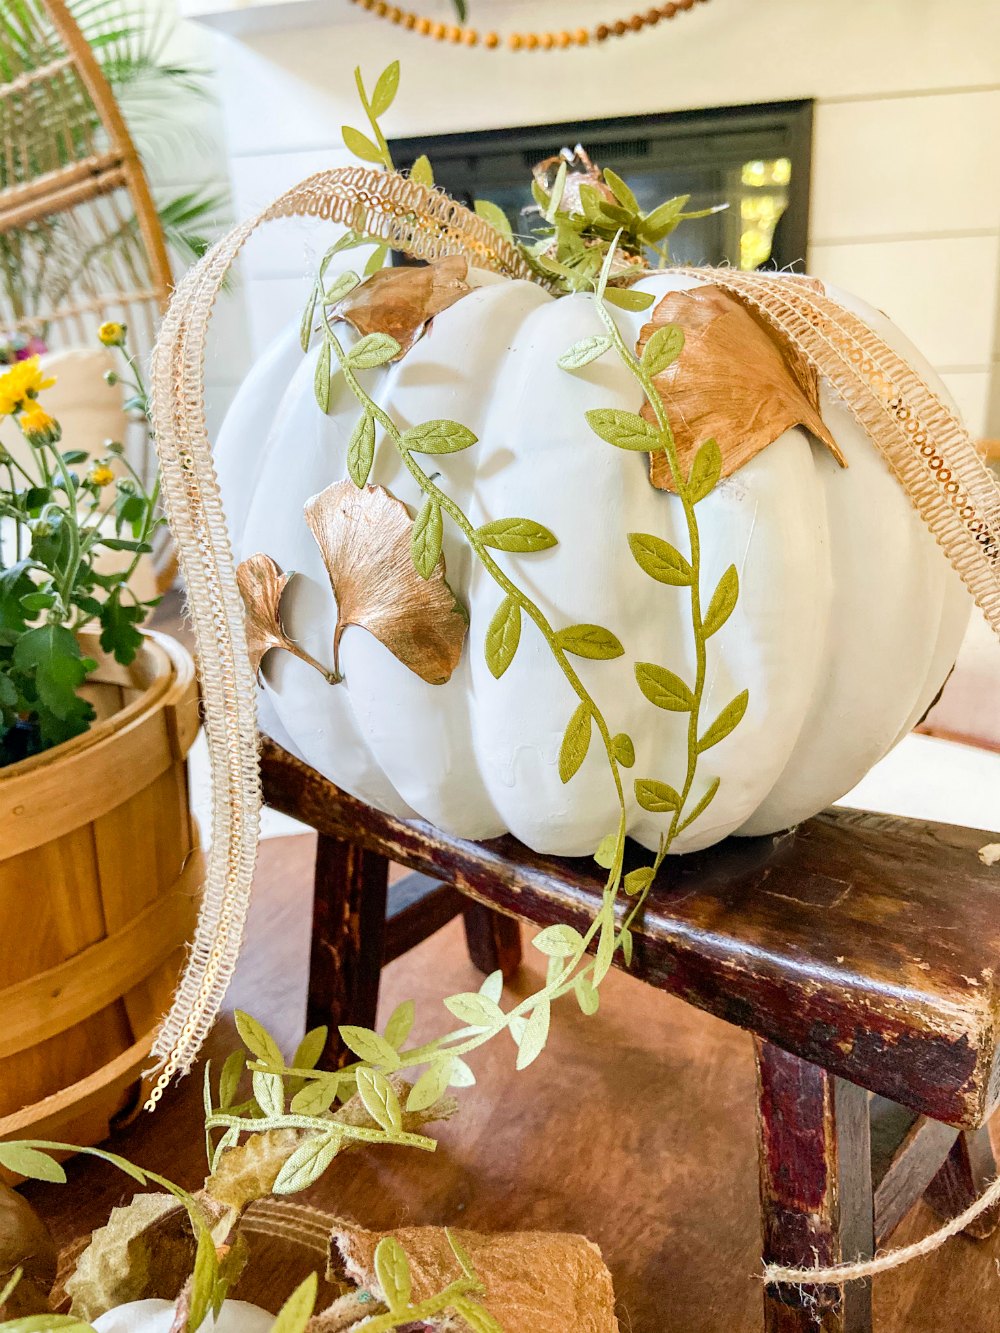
{"x": 99, "y": 867}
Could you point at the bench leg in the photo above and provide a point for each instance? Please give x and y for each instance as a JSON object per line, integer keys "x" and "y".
{"x": 345, "y": 962}
{"x": 494, "y": 940}
{"x": 815, "y": 1189}
{"x": 968, "y": 1169}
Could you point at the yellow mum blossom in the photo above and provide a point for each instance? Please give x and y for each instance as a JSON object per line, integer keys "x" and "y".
{"x": 111, "y": 333}
{"x": 24, "y": 380}
{"x": 37, "y": 423}
{"x": 100, "y": 475}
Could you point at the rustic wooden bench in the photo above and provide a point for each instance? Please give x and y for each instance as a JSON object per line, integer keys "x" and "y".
{"x": 862, "y": 951}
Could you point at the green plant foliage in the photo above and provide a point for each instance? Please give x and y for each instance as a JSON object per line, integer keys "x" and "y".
{"x": 62, "y": 523}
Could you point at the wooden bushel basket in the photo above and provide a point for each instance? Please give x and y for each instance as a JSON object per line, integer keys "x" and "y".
{"x": 100, "y": 873}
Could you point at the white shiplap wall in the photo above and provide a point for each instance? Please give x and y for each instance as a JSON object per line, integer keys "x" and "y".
{"x": 906, "y": 172}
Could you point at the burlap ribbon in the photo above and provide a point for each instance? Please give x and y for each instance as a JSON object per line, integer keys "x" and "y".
{"x": 919, "y": 436}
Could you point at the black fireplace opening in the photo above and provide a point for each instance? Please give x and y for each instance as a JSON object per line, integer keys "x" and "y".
{"x": 754, "y": 159}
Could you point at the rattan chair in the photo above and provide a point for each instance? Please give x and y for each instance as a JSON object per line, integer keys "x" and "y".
{"x": 76, "y": 213}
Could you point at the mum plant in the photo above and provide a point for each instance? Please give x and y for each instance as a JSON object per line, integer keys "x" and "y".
{"x": 74, "y": 527}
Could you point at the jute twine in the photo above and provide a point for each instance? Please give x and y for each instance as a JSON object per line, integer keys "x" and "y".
{"x": 920, "y": 438}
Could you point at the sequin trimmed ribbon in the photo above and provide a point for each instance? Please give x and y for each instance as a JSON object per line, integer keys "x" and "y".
{"x": 921, "y": 439}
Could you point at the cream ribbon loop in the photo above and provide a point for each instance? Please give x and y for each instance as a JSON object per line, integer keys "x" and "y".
{"x": 920, "y": 438}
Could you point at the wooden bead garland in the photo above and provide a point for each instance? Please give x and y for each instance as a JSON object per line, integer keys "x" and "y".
{"x": 524, "y": 41}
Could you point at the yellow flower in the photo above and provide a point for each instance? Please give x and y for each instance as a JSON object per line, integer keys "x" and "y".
{"x": 24, "y": 380}
{"x": 37, "y": 424}
{"x": 100, "y": 475}
{"x": 111, "y": 333}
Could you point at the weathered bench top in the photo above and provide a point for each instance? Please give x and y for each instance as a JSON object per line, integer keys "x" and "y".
{"x": 866, "y": 943}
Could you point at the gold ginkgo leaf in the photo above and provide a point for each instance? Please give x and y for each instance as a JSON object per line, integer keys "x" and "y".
{"x": 364, "y": 536}
{"x": 401, "y": 301}
{"x": 261, "y": 584}
{"x": 734, "y": 381}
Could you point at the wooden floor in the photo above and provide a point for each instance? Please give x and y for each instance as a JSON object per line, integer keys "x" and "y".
{"x": 636, "y": 1127}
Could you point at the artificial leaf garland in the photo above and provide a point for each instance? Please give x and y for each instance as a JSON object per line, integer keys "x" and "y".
{"x": 365, "y": 537}
{"x": 732, "y": 382}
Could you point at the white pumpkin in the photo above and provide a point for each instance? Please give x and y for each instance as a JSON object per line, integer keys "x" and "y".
{"x": 156, "y": 1316}
{"x": 848, "y": 621}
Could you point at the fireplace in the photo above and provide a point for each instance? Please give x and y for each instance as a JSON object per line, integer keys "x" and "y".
{"x": 756, "y": 159}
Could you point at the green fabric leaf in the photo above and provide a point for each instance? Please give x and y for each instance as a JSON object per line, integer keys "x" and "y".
{"x": 623, "y": 749}
{"x": 587, "y": 995}
{"x": 560, "y": 941}
{"x": 369, "y": 1046}
{"x": 321, "y": 378}
{"x": 229, "y": 1079}
{"x": 269, "y": 1092}
{"x": 659, "y": 559}
{"x": 461, "y": 1075}
{"x": 492, "y": 987}
{"x": 495, "y": 216}
{"x": 627, "y": 298}
{"x": 637, "y": 880}
{"x": 663, "y": 349}
{"x": 723, "y": 602}
{"x": 730, "y": 717}
{"x": 342, "y": 284}
{"x": 589, "y": 641}
{"x": 536, "y": 1034}
{"x": 625, "y": 430}
{"x": 361, "y": 450}
{"x": 428, "y": 534}
{"x": 607, "y": 851}
{"x": 306, "y": 327}
{"x": 704, "y": 803}
{"x": 258, "y": 1040}
{"x": 476, "y": 1009}
{"x": 657, "y": 797}
{"x": 438, "y": 437}
{"x": 376, "y": 261}
{"x": 621, "y": 191}
{"x": 392, "y": 1269}
{"x": 310, "y": 1049}
{"x": 374, "y": 349}
{"x": 664, "y": 688}
{"x": 307, "y": 1163}
{"x": 583, "y": 352}
{"x": 385, "y": 90}
{"x": 380, "y": 1099}
{"x": 316, "y": 1097}
{"x": 503, "y": 636}
{"x": 204, "y": 1278}
{"x": 431, "y": 1086}
{"x": 575, "y": 743}
{"x": 605, "y": 951}
{"x": 361, "y": 146}
{"x": 516, "y": 534}
{"x": 705, "y": 471}
{"x": 422, "y": 172}
{"x": 296, "y": 1312}
{"x": 400, "y": 1022}
{"x": 29, "y": 1162}
{"x": 663, "y": 219}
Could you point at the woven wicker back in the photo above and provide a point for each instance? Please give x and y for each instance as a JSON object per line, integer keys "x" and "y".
{"x": 76, "y": 213}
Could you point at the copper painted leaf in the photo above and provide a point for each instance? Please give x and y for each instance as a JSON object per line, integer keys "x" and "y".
{"x": 734, "y": 379}
{"x": 533, "y": 1282}
{"x": 261, "y": 584}
{"x": 400, "y": 301}
{"x": 365, "y": 539}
